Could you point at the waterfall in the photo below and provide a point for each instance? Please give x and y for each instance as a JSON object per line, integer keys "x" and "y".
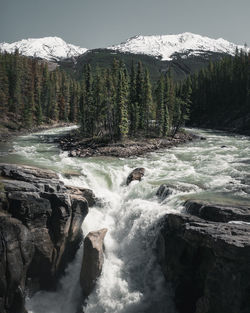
{"x": 131, "y": 280}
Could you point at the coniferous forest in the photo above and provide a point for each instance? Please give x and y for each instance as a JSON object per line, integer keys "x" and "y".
{"x": 120, "y": 102}
{"x": 29, "y": 90}
{"x": 221, "y": 94}
{"x": 116, "y": 102}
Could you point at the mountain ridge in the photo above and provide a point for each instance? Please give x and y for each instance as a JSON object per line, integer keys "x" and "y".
{"x": 163, "y": 47}
{"x": 166, "y": 46}
{"x": 48, "y": 48}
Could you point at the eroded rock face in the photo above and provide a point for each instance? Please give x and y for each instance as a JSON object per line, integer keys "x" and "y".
{"x": 16, "y": 253}
{"x": 207, "y": 263}
{"x": 44, "y": 218}
{"x": 136, "y": 174}
{"x": 92, "y": 260}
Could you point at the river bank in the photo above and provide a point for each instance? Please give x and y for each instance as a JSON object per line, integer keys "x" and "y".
{"x": 11, "y": 127}
{"x": 79, "y": 147}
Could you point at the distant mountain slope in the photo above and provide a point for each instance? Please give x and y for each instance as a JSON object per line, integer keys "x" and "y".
{"x": 167, "y": 46}
{"x": 181, "y": 65}
{"x": 48, "y": 48}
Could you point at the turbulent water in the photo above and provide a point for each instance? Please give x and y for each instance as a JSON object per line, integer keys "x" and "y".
{"x": 132, "y": 282}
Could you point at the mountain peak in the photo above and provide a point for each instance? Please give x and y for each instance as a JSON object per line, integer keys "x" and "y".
{"x": 165, "y": 46}
{"x": 49, "y": 48}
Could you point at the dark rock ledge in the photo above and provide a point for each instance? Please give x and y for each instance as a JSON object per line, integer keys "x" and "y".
{"x": 40, "y": 231}
{"x": 206, "y": 259}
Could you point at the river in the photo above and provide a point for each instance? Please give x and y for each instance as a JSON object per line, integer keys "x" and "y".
{"x": 217, "y": 168}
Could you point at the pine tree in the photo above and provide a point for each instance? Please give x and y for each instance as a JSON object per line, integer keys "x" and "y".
{"x": 160, "y": 107}
{"x": 147, "y": 100}
{"x": 122, "y": 106}
{"x": 139, "y": 95}
{"x": 133, "y": 104}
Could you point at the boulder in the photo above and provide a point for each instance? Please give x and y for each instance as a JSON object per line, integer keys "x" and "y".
{"x": 40, "y": 211}
{"x": 136, "y": 174}
{"x": 93, "y": 259}
{"x": 164, "y": 191}
{"x": 206, "y": 263}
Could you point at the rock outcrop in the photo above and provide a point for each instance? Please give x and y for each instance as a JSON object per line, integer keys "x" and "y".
{"x": 40, "y": 231}
{"x": 85, "y": 192}
{"x": 207, "y": 262}
{"x": 217, "y": 212}
{"x": 136, "y": 174}
{"x": 93, "y": 259}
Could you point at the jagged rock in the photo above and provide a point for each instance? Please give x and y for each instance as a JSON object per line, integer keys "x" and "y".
{"x": 166, "y": 190}
{"x": 92, "y": 260}
{"x": 51, "y": 215}
{"x": 136, "y": 174}
{"x": 217, "y": 212}
{"x": 84, "y": 192}
{"x": 206, "y": 263}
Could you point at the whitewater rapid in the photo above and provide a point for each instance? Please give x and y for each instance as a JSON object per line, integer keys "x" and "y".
{"x": 132, "y": 281}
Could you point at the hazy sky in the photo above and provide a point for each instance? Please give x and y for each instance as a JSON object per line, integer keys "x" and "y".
{"x": 99, "y": 23}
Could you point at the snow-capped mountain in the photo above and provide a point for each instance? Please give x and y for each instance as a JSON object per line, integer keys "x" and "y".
{"x": 49, "y": 48}
{"x": 166, "y": 46}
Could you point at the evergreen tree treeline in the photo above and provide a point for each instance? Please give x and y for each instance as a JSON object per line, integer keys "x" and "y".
{"x": 114, "y": 102}
{"x": 221, "y": 94}
{"x": 35, "y": 94}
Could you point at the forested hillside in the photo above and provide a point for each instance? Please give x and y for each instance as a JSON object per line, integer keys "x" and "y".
{"x": 221, "y": 95}
{"x": 182, "y": 64}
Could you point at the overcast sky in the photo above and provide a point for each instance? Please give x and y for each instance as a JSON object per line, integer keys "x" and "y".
{"x": 99, "y": 23}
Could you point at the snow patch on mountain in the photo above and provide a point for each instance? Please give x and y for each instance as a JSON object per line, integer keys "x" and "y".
{"x": 166, "y": 46}
{"x": 49, "y": 48}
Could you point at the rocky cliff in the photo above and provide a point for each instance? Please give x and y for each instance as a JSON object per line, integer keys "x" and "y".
{"x": 205, "y": 256}
{"x": 40, "y": 231}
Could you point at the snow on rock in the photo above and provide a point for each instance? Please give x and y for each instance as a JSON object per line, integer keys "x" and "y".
{"x": 49, "y": 48}
{"x": 166, "y": 46}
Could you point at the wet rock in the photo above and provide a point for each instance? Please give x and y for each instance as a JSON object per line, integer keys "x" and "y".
{"x": 71, "y": 174}
{"x": 93, "y": 259}
{"x": 136, "y": 174}
{"x": 217, "y": 212}
{"x": 49, "y": 216}
{"x": 223, "y": 146}
{"x": 164, "y": 191}
{"x": 206, "y": 263}
{"x": 25, "y": 173}
{"x": 73, "y": 153}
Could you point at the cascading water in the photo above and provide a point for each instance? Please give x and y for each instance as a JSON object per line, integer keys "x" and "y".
{"x": 131, "y": 280}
